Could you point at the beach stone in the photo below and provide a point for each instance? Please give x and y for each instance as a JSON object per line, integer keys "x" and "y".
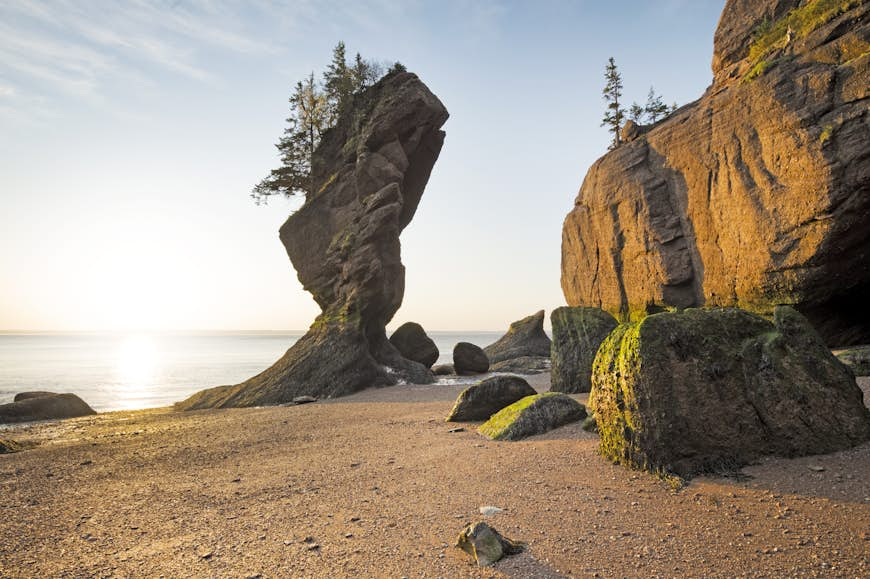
{"x": 412, "y": 342}
{"x": 469, "y": 359}
{"x": 482, "y": 400}
{"x": 443, "y": 370}
{"x": 857, "y": 359}
{"x": 370, "y": 172}
{"x": 533, "y": 415}
{"x": 7, "y": 446}
{"x": 708, "y": 390}
{"x": 485, "y": 544}
{"x": 54, "y": 407}
{"x": 33, "y": 394}
{"x": 522, "y": 365}
{"x": 577, "y": 333}
{"x": 712, "y": 207}
{"x": 525, "y": 337}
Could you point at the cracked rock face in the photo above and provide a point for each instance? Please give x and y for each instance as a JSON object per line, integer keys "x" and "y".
{"x": 755, "y": 195}
{"x": 707, "y": 390}
{"x": 372, "y": 168}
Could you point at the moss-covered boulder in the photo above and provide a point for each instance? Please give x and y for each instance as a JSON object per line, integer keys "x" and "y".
{"x": 857, "y": 359}
{"x": 469, "y": 358}
{"x": 411, "y": 341}
{"x": 577, "y": 333}
{"x": 704, "y": 390}
{"x": 486, "y": 544}
{"x": 533, "y": 415}
{"x": 482, "y": 400}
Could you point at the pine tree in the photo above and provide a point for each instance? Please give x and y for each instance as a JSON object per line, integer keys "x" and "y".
{"x": 338, "y": 82}
{"x": 309, "y": 115}
{"x": 314, "y": 108}
{"x": 364, "y": 73}
{"x": 614, "y": 113}
{"x": 655, "y": 107}
{"x": 636, "y": 113}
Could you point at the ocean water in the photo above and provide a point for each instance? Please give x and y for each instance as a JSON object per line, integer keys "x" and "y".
{"x": 129, "y": 371}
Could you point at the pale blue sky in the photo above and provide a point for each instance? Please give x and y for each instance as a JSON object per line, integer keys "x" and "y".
{"x": 132, "y": 132}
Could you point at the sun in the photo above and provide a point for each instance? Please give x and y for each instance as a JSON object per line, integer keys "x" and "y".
{"x": 136, "y": 363}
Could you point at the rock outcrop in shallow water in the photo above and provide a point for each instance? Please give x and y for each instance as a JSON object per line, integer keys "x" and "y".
{"x": 525, "y": 337}
{"x": 755, "y": 195}
{"x": 372, "y": 168}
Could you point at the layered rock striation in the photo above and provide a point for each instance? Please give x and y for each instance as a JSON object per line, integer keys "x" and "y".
{"x": 372, "y": 168}
{"x": 755, "y": 195}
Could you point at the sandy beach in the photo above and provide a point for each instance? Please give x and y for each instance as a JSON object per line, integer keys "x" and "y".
{"x": 374, "y": 484}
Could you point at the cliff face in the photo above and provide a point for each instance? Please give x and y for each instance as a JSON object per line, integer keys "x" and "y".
{"x": 344, "y": 243}
{"x": 755, "y": 195}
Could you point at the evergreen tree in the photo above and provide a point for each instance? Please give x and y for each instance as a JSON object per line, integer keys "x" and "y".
{"x": 314, "y": 108}
{"x": 309, "y": 116}
{"x": 655, "y": 107}
{"x": 338, "y": 82}
{"x": 636, "y": 113}
{"x": 364, "y": 73}
{"x": 614, "y": 113}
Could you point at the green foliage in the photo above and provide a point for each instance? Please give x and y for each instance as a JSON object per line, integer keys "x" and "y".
{"x": 614, "y": 114}
{"x": 759, "y": 69}
{"x": 826, "y": 134}
{"x": 655, "y": 107}
{"x": 797, "y": 23}
{"x": 314, "y": 108}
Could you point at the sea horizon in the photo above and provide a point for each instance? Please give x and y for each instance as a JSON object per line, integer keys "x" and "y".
{"x": 127, "y": 370}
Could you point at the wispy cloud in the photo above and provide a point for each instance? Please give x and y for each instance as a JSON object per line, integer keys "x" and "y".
{"x": 81, "y": 48}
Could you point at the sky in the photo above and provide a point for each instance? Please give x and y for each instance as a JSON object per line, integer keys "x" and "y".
{"x": 132, "y": 132}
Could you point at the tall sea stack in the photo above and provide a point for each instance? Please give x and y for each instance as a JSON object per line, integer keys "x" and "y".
{"x": 371, "y": 170}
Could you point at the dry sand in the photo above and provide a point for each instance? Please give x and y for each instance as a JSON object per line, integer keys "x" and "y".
{"x": 374, "y": 485}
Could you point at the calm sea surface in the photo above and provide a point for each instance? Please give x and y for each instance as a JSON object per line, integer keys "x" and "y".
{"x": 126, "y": 371}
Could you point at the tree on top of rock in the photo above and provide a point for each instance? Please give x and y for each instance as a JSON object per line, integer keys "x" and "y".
{"x": 655, "y": 107}
{"x": 614, "y": 114}
{"x": 314, "y": 108}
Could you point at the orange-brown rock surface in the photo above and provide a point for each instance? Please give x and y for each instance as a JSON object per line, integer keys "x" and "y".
{"x": 755, "y": 195}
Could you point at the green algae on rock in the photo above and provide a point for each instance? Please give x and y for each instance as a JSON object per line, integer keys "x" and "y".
{"x": 707, "y": 390}
{"x": 533, "y": 415}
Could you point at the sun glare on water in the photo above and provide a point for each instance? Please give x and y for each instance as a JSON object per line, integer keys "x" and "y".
{"x": 137, "y": 362}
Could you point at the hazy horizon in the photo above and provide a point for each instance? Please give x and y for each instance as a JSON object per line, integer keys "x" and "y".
{"x": 131, "y": 135}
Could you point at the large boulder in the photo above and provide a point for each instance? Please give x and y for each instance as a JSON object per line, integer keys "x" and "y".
{"x": 469, "y": 358}
{"x": 370, "y": 171}
{"x": 577, "y": 333}
{"x": 46, "y": 406}
{"x": 482, "y": 400}
{"x": 32, "y": 394}
{"x": 411, "y": 341}
{"x": 755, "y": 195}
{"x": 705, "y": 390}
{"x": 533, "y": 415}
{"x": 525, "y": 337}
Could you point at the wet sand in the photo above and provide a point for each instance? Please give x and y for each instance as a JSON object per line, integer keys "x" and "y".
{"x": 374, "y": 485}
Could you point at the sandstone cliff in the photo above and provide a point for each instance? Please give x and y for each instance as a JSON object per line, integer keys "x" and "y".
{"x": 755, "y": 195}
{"x": 344, "y": 244}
